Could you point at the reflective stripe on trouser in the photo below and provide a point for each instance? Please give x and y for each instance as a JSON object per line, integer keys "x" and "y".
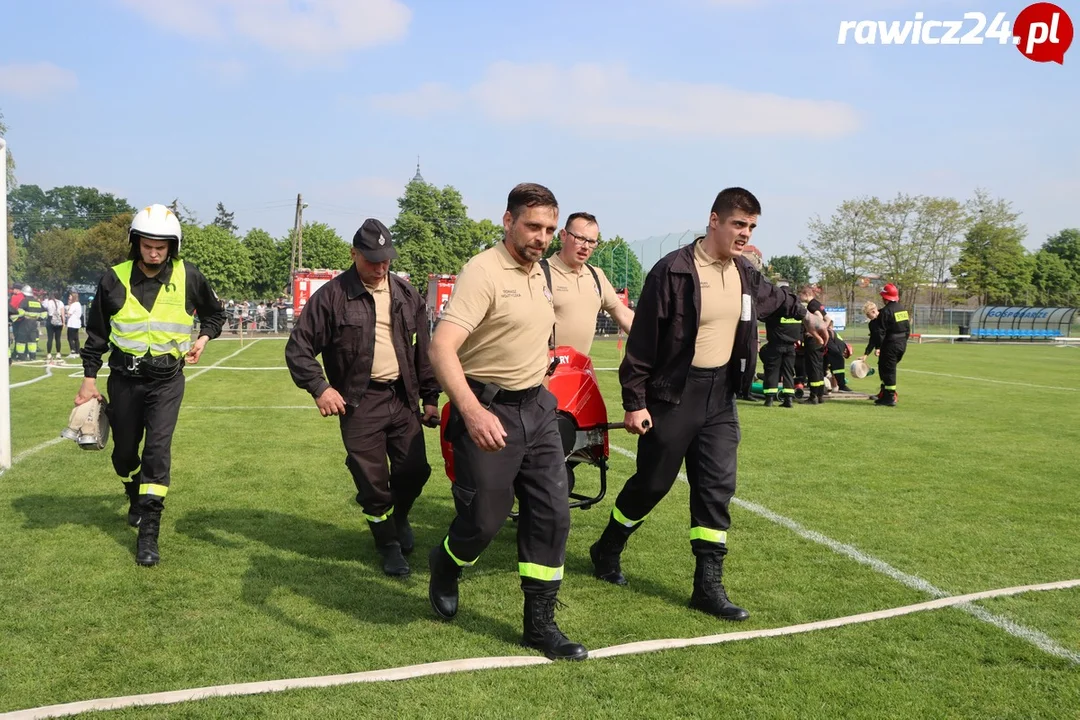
{"x": 703, "y": 429}
{"x": 533, "y": 466}
{"x": 891, "y": 355}
{"x": 384, "y": 453}
{"x": 144, "y": 412}
{"x": 779, "y": 361}
{"x": 813, "y": 362}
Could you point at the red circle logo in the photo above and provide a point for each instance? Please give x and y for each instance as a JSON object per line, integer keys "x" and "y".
{"x": 1043, "y": 32}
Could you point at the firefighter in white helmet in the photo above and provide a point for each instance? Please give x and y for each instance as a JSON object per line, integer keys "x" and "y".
{"x": 143, "y": 315}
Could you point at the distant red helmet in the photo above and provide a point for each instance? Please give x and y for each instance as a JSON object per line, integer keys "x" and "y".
{"x": 889, "y": 293}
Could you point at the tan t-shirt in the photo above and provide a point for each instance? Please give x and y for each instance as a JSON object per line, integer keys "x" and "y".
{"x": 384, "y": 365}
{"x": 721, "y": 305}
{"x": 508, "y": 312}
{"x": 577, "y": 303}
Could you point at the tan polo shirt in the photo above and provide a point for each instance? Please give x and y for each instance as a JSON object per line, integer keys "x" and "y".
{"x": 384, "y": 365}
{"x": 578, "y": 301}
{"x": 508, "y": 312}
{"x": 721, "y": 305}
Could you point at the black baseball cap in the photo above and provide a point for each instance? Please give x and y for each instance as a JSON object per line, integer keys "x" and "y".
{"x": 374, "y": 242}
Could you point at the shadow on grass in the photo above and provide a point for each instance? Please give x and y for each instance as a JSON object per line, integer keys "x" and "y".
{"x": 107, "y": 512}
{"x": 581, "y": 567}
{"x": 339, "y": 570}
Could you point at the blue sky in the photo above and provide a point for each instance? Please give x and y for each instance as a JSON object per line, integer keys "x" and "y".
{"x": 636, "y": 111}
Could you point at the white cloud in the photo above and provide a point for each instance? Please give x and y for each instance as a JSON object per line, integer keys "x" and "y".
{"x": 305, "y": 27}
{"x": 427, "y": 99}
{"x": 596, "y": 98}
{"x": 36, "y": 80}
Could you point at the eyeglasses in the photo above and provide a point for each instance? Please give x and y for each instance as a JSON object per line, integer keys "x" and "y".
{"x": 587, "y": 242}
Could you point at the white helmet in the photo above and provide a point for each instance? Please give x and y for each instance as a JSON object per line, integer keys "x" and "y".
{"x": 157, "y": 222}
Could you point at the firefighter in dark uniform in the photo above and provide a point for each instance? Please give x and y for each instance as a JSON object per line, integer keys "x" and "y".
{"x": 143, "y": 315}
{"x": 27, "y": 315}
{"x": 836, "y": 354}
{"x": 889, "y": 332}
{"x": 490, "y": 352}
{"x": 691, "y": 350}
{"x": 371, "y": 328}
{"x": 778, "y": 357}
{"x": 813, "y": 350}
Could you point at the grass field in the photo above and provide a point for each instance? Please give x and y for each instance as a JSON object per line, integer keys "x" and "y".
{"x": 971, "y": 483}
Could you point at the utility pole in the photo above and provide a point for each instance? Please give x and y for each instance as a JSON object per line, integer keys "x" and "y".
{"x": 298, "y": 228}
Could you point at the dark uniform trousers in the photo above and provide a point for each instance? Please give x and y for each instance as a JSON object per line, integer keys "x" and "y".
{"x": 704, "y": 429}
{"x": 531, "y": 466}
{"x": 384, "y": 426}
{"x": 814, "y": 362}
{"x": 892, "y": 352}
{"x": 139, "y": 405}
{"x": 779, "y": 361}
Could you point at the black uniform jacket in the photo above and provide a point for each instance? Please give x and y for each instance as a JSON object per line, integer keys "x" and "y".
{"x": 662, "y": 338}
{"x": 111, "y": 295}
{"x": 339, "y": 322}
{"x": 886, "y": 329}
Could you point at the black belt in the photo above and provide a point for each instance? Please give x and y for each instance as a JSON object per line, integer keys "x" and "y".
{"x": 489, "y": 393}
{"x": 373, "y": 385}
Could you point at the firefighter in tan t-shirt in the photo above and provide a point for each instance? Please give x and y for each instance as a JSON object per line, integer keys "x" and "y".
{"x": 579, "y": 290}
{"x": 490, "y": 354}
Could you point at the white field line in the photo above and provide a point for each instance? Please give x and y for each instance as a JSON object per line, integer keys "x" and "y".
{"x": 1036, "y": 638}
{"x": 39, "y": 378}
{"x": 996, "y": 382}
{"x": 447, "y": 667}
{"x": 41, "y": 446}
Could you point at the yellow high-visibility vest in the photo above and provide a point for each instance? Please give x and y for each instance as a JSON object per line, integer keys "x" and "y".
{"x": 164, "y": 330}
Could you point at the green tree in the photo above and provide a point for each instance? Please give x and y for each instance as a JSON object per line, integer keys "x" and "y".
{"x": 224, "y": 219}
{"x": 792, "y": 268}
{"x": 620, "y": 263}
{"x": 183, "y": 213}
{"x": 842, "y": 249}
{"x": 993, "y": 265}
{"x": 434, "y": 234}
{"x": 102, "y": 246}
{"x": 900, "y": 254}
{"x": 1066, "y": 245}
{"x": 221, "y": 257}
{"x": 71, "y": 206}
{"x": 51, "y": 258}
{"x": 940, "y": 229}
{"x": 322, "y": 248}
{"x": 419, "y": 252}
{"x": 1052, "y": 281}
{"x": 269, "y": 264}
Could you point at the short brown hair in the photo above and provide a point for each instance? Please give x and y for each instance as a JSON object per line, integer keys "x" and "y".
{"x": 731, "y": 199}
{"x": 529, "y": 195}
{"x": 587, "y": 217}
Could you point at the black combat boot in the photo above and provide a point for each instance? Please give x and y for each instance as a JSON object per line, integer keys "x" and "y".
{"x": 888, "y": 398}
{"x": 146, "y": 548}
{"x": 132, "y": 489}
{"x": 709, "y": 595}
{"x": 387, "y": 545}
{"x": 443, "y": 586}
{"x": 788, "y": 401}
{"x": 605, "y": 552}
{"x": 541, "y": 632}
{"x": 401, "y": 523}
{"x": 769, "y": 399}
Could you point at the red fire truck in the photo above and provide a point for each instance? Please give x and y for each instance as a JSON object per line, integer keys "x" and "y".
{"x": 438, "y": 293}
{"x": 306, "y": 282}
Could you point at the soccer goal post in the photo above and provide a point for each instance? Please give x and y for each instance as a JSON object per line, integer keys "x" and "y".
{"x": 5, "y": 375}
